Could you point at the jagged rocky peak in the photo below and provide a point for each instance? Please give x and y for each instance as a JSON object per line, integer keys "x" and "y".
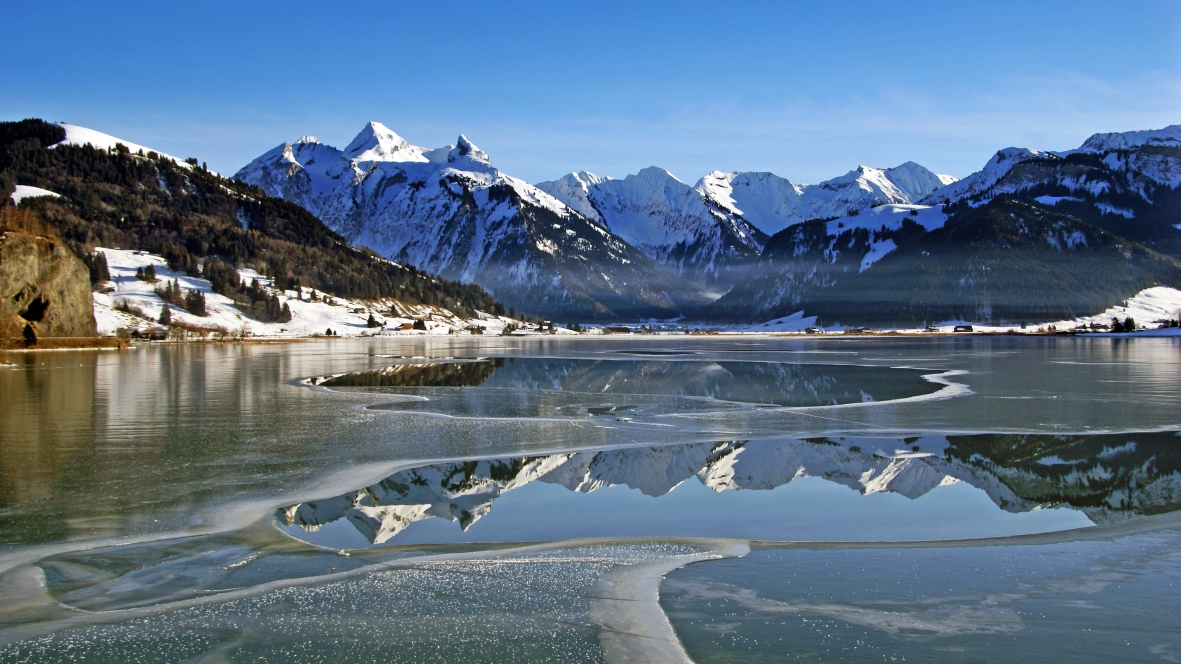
{"x": 308, "y": 140}
{"x": 574, "y": 190}
{"x": 376, "y": 142}
{"x": 465, "y": 149}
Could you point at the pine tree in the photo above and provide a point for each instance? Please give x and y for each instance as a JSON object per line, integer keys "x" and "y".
{"x": 166, "y": 315}
{"x": 98, "y": 268}
{"x": 195, "y": 303}
{"x": 372, "y": 322}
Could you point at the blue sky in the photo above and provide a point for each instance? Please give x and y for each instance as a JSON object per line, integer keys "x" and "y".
{"x": 805, "y": 90}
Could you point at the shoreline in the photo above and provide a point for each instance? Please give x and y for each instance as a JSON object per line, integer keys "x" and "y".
{"x": 115, "y": 343}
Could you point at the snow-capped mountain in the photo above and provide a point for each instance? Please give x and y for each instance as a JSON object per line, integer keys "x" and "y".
{"x": 649, "y": 244}
{"x": 1126, "y": 183}
{"x": 715, "y": 229}
{"x": 666, "y": 219}
{"x": 1103, "y": 475}
{"x": 449, "y": 211}
{"x": 773, "y": 203}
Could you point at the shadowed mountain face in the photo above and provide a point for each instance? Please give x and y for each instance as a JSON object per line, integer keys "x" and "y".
{"x": 1104, "y": 476}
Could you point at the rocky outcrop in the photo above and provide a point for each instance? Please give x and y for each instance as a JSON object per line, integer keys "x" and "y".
{"x": 44, "y": 289}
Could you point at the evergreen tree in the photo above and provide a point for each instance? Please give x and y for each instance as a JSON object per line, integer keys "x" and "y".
{"x": 195, "y": 303}
{"x": 372, "y": 322}
{"x": 98, "y": 268}
{"x": 166, "y": 315}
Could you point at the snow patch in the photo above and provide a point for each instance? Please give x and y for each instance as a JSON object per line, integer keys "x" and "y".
{"x": 875, "y": 253}
{"x": 1054, "y": 200}
{"x": 24, "y": 191}
{"x": 1111, "y": 209}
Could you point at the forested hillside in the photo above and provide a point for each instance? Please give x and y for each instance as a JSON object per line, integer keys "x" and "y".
{"x": 1004, "y": 262}
{"x": 185, "y": 212}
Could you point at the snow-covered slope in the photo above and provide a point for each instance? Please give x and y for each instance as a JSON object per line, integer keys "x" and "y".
{"x": 76, "y": 135}
{"x": 22, "y": 192}
{"x": 574, "y": 191}
{"x": 128, "y": 303}
{"x": 449, "y": 211}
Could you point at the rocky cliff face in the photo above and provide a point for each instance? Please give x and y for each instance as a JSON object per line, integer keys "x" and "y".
{"x": 43, "y": 287}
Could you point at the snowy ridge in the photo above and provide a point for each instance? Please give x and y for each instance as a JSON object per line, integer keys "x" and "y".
{"x": 1125, "y": 154}
{"x": 983, "y": 180}
{"x": 765, "y": 201}
{"x": 1170, "y": 136}
{"x": 76, "y": 135}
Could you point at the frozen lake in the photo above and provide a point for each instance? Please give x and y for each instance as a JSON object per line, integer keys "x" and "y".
{"x": 497, "y": 495}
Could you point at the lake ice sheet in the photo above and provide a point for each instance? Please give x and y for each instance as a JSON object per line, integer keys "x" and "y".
{"x": 197, "y": 453}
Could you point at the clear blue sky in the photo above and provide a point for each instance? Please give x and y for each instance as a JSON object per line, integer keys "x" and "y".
{"x": 805, "y": 90}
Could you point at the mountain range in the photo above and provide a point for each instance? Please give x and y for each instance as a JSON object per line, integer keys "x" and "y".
{"x": 1033, "y": 236}
{"x": 1000, "y": 245}
{"x": 1105, "y": 476}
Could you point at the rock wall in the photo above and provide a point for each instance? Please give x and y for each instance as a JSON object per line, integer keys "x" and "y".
{"x": 43, "y": 287}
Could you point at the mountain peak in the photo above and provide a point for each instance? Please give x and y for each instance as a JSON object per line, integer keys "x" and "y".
{"x": 376, "y": 142}
{"x": 465, "y": 149}
{"x": 656, "y": 172}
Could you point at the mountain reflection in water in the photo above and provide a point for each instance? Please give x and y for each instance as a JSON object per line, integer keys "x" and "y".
{"x": 766, "y": 383}
{"x": 1105, "y": 477}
